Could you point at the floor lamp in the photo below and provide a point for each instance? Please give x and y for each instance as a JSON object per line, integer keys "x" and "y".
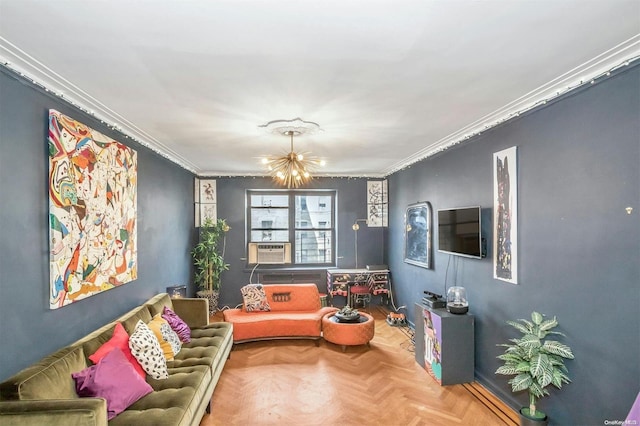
{"x": 355, "y": 228}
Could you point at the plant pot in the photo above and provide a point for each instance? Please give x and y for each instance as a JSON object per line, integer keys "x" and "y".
{"x": 527, "y": 420}
{"x": 212, "y": 296}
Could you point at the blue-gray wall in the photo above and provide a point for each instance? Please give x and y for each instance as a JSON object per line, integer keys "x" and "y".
{"x": 351, "y": 205}
{"x": 28, "y": 329}
{"x": 579, "y": 251}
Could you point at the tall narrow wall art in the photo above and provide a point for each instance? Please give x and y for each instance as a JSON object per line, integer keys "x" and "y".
{"x": 505, "y": 210}
{"x": 377, "y": 203}
{"x": 92, "y": 211}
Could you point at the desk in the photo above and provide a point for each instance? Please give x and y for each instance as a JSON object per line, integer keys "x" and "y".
{"x": 339, "y": 281}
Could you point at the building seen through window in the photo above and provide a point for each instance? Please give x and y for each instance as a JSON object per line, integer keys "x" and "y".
{"x": 303, "y": 218}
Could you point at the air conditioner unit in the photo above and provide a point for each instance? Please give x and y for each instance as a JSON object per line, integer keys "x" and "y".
{"x": 270, "y": 253}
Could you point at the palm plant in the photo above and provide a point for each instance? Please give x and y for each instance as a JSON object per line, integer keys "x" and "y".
{"x": 535, "y": 362}
{"x": 207, "y": 259}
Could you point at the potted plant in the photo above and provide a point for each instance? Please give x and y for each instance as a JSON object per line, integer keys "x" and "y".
{"x": 536, "y": 362}
{"x": 209, "y": 262}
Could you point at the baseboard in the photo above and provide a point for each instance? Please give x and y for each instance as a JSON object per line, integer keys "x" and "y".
{"x": 493, "y": 403}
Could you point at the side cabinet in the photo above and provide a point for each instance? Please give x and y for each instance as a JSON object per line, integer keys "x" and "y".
{"x": 444, "y": 344}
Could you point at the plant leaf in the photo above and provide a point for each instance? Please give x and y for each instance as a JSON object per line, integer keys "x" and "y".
{"x": 536, "y": 318}
{"x": 507, "y": 370}
{"x": 520, "y": 327}
{"x": 557, "y": 348}
{"x": 549, "y": 324}
{"x": 521, "y": 382}
{"x": 542, "y": 369}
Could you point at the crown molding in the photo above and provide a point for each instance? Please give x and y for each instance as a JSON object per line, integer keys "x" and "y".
{"x": 590, "y": 72}
{"x": 19, "y": 62}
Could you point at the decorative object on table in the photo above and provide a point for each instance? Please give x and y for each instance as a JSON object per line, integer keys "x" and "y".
{"x": 92, "y": 211}
{"x": 536, "y": 363}
{"x": 417, "y": 238}
{"x": 205, "y": 200}
{"x": 457, "y": 300}
{"x": 505, "y": 222}
{"x": 347, "y": 314}
{"x": 177, "y": 291}
{"x": 377, "y": 203}
{"x": 209, "y": 262}
{"x": 292, "y": 169}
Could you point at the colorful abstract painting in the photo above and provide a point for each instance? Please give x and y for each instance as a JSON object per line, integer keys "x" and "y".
{"x": 92, "y": 211}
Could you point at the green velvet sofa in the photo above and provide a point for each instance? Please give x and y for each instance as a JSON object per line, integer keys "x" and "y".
{"x": 44, "y": 393}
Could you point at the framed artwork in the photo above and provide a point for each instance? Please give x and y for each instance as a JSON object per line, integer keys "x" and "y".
{"x": 377, "y": 204}
{"x": 417, "y": 248}
{"x": 208, "y": 211}
{"x": 92, "y": 211}
{"x": 206, "y": 199}
{"x": 505, "y": 210}
{"x": 208, "y": 191}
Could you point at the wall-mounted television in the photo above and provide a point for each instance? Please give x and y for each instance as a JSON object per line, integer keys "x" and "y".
{"x": 460, "y": 231}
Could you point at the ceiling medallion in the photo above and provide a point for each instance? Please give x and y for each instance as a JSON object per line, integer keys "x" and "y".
{"x": 292, "y": 169}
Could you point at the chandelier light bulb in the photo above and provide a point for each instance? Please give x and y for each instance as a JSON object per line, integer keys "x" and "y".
{"x": 265, "y": 161}
{"x": 294, "y": 172}
{"x": 300, "y": 157}
{"x": 323, "y": 163}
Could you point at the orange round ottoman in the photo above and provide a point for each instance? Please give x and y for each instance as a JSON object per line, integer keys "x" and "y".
{"x": 348, "y": 333}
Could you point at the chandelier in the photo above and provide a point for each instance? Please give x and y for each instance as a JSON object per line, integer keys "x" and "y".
{"x": 292, "y": 169}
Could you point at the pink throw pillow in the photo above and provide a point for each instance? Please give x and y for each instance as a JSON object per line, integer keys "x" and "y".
{"x": 120, "y": 340}
{"x": 113, "y": 379}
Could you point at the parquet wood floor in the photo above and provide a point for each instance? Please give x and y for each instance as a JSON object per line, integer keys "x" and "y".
{"x": 295, "y": 382}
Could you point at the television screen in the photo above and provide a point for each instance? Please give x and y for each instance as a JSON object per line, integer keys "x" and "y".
{"x": 459, "y": 231}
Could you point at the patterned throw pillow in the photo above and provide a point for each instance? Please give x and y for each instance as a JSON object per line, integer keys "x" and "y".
{"x": 254, "y": 298}
{"x": 168, "y": 339}
{"x": 146, "y": 349}
{"x": 177, "y": 324}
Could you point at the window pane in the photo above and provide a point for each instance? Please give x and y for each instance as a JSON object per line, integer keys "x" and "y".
{"x": 279, "y": 218}
{"x": 313, "y": 211}
{"x": 269, "y": 200}
{"x": 281, "y": 236}
{"x": 313, "y": 247}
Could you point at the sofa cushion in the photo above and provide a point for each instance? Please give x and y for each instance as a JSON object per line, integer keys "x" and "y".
{"x": 168, "y": 339}
{"x": 177, "y": 324}
{"x": 173, "y": 401}
{"x": 146, "y": 349}
{"x": 50, "y": 378}
{"x": 114, "y": 379}
{"x": 120, "y": 340}
{"x": 263, "y": 325}
{"x": 254, "y": 298}
{"x": 301, "y": 297}
{"x": 131, "y": 318}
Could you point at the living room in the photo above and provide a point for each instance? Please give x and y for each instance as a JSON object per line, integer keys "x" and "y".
{"x": 578, "y": 159}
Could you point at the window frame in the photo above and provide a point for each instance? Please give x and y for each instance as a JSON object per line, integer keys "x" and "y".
{"x": 292, "y": 228}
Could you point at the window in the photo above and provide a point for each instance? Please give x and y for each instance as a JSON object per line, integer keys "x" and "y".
{"x": 306, "y": 219}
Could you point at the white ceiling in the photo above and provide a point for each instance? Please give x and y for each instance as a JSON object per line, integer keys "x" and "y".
{"x": 389, "y": 82}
